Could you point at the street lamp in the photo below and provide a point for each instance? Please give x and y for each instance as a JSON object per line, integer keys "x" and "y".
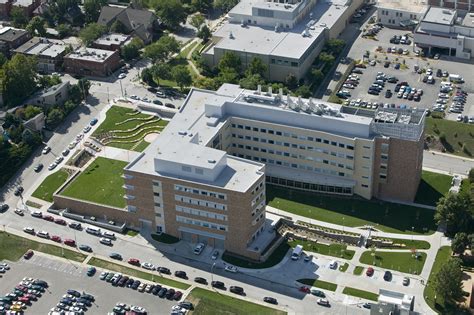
{"x": 412, "y": 231}
{"x": 212, "y": 271}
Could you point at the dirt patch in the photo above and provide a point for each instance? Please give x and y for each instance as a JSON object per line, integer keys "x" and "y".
{"x": 151, "y": 137}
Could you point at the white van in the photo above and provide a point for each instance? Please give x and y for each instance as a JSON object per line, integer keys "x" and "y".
{"x": 333, "y": 264}
{"x": 93, "y": 230}
{"x": 297, "y": 252}
{"x": 109, "y": 235}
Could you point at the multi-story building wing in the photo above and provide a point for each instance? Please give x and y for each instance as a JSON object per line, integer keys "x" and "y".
{"x": 204, "y": 177}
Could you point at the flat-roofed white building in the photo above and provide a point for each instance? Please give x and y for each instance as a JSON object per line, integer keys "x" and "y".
{"x": 401, "y": 13}
{"x": 287, "y": 36}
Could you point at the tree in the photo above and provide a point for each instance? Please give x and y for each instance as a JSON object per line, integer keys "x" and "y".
{"x": 19, "y": 79}
{"x": 18, "y": 17}
{"x": 162, "y": 49}
{"x": 55, "y": 116}
{"x": 326, "y": 58}
{"x": 92, "y": 9}
{"x": 64, "y": 30}
{"x": 471, "y": 242}
{"x": 227, "y": 75}
{"x": 335, "y": 45}
{"x": 118, "y": 27}
{"x": 161, "y": 71}
{"x": 455, "y": 210}
{"x": 471, "y": 175}
{"x": 75, "y": 93}
{"x": 197, "y": 20}
{"x": 205, "y": 83}
{"x": 304, "y": 91}
{"x": 225, "y": 5}
{"x": 317, "y": 75}
{"x": 256, "y": 66}
{"x": 36, "y": 26}
{"x": 201, "y": 5}
{"x": 91, "y": 32}
{"x": 171, "y": 13}
{"x": 132, "y": 50}
{"x": 30, "y": 138}
{"x": 147, "y": 77}
{"x": 251, "y": 82}
{"x": 459, "y": 243}
{"x": 3, "y": 59}
{"x": 84, "y": 85}
{"x": 47, "y": 81}
{"x": 448, "y": 280}
{"x": 291, "y": 81}
{"x": 230, "y": 60}
{"x": 204, "y": 33}
{"x": 182, "y": 76}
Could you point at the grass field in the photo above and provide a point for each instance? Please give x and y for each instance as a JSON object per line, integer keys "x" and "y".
{"x": 101, "y": 183}
{"x": 319, "y": 284}
{"x": 361, "y": 293}
{"x": 358, "y": 270}
{"x": 344, "y": 267}
{"x": 274, "y": 258}
{"x": 137, "y": 273}
{"x": 384, "y": 216}
{"x": 12, "y": 247}
{"x": 456, "y": 134}
{"x": 432, "y": 187}
{"x": 207, "y": 302}
{"x": 409, "y": 244}
{"x": 399, "y": 261}
{"x": 49, "y": 185}
{"x": 335, "y": 250}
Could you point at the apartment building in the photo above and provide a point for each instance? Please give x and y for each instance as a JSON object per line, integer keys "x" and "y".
{"x": 449, "y": 31}
{"x": 286, "y": 35}
{"x": 92, "y": 61}
{"x": 49, "y": 53}
{"x": 204, "y": 177}
{"x": 402, "y": 13}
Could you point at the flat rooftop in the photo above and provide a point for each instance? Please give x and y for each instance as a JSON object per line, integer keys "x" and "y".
{"x": 284, "y": 43}
{"x": 42, "y": 47}
{"x": 8, "y": 34}
{"x": 440, "y": 16}
{"x": 468, "y": 20}
{"x": 112, "y": 39}
{"x": 416, "y": 6}
{"x": 91, "y": 54}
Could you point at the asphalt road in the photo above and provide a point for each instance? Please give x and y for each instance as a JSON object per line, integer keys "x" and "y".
{"x": 442, "y": 162}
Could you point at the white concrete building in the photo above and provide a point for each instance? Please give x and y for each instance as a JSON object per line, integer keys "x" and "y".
{"x": 449, "y": 31}
{"x": 402, "y": 13}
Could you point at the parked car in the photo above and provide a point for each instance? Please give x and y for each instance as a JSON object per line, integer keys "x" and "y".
{"x": 93, "y": 121}
{"x": 148, "y": 266}
{"x": 46, "y": 150}
{"x": 75, "y": 225}
{"x": 91, "y": 271}
{"x": 369, "y": 272}
{"x": 163, "y": 270}
{"x": 56, "y": 238}
{"x": 200, "y": 280}
{"x": 85, "y": 248}
{"x": 231, "y": 268}
{"x": 42, "y": 234}
{"x": 387, "y": 276}
{"x": 323, "y": 302}
{"x": 218, "y": 284}
{"x": 28, "y": 254}
{"x": 406, "y": 281}
{"x": 134, "y": 261}
{"x": 317, "y": 292}
{"x": 236, "y": 289}
{"x": 60, "y": 221}
{"x": 20, "y": 212}
{"x": 180, "y": 274}
{"x": 29, "y": 230}
{"x": 199, "y": 248}
{"x": 4, "y": 207}
{"x": 70, "y": 242}
{"x": 270, "y": 300}
{"x": 105, "y": 241}
{"x": 38, "y": 167}
{"x": 48, "y": 217}
{"x": 116, "y": 256}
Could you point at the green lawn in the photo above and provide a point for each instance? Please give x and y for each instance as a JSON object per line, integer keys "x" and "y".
{"x": 358, "y": 270}
{"x": 344, "y": 267}
{"x": 117, "y": 114}
{"x": 399, "y": 261}
{"x": 361, "y": 293}
{"x": 409, "y": 244}
{"x": 432, "y": 187}
{"x": 274, "y": 258}
{"x": 319, "y": 284}
{"x": 456, "y": 135}
{"x": 12, "y": 247}
{"x": 131, "y": 232}
{"x": 335, "y": 250}
{"x": 49, "y": 185}
{"x": 384, "y": 216}
{"x": 186, "y": 51}
{"x": 165, "y": 238}
{"x": 137, "y": 273}
{"x": 141, "y": 146}
{"x": 101, "y": 182}
{"x": 212, "y": 303}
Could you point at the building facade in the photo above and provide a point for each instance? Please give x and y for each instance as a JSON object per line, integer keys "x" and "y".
{"x": 400, "y": 14}
{"x": 203, "y": 179}
{"x": 92, "y": 62}
{"x": 12, "y": 38}
{"x": 112, "y": 41}
{"x": 49, "y": 53}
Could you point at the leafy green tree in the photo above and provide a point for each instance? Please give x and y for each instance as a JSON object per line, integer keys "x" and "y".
{"x": 316, "y": 75}
{"x": 256, "y": 66}
{"x": 47, "y": 81}
{"x": 92, "y": 9}
{"x": 18, "y": 78}
{"x": 251, "y": 81}
{"x": 162, "y": 49}
{"x": 197, "y": 20}
{"x": 30, "y": 138}
{"x": 455, "y": 210}
{"x": 304, "y": 91}
{"x": 69, "y": 106}
{"x": 326, "y": 58}
{"x": 91, "y": 32}
{"x": 75, "y": 94}
{"x": 291, "y": 81}
{"x": 132, "y": 49}
{"x": 161, "y": 71}
{"x": 459, "y": 243}
{"x": 230, "y": 60}
{"x": 204, "y": 33}
{"x": 225, "y": 5}
{"x": 84, "y": 85}
{"x": 55, "y": 116}
{"x": 64, "y": 30}
{"x": 471, "y": 175}
{"x": 335, "y": 45}
{"x": 182, "y": 76}
{"x": 36, "y": 26}
{"x": 227, "y": 75}
{"x": 118, "y": 27}
{"x": 3, "y": 59}
{"x": 470, "y": 238}
{"x": 18, "y": 17}
{"x": 147, "y": 76}
{"x": 448, "y": 280}
{"x": 205, "y": 83}
{"x": 201, "y": 5}
{"x": 171, "y": 13}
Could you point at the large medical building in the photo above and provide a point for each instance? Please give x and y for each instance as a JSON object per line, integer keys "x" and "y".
{"x": 204, "y": 177}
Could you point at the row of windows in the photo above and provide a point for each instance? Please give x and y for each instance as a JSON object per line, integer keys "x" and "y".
{"x": 201, "y": 213}
{"x": 200, "y": 202}
{"x": 258, "y": 218}
{"x": 258, "y": 198}
{"x": 297, "y": 166}
{"x": 257, "y": 188}
{"x": 188, "y": 169}
{"x": 205, "y": 224}
{"x": 200, "y": 192}
{"x": 294, "y": 136}
{"x": 284, "y": 62}
{"x": 309, "y": 186}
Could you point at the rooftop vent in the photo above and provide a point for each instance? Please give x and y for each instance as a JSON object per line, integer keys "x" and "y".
{"x": 211, "y": 161}
{"x": 182, "y": 133}
{"x": 231, "y": 36}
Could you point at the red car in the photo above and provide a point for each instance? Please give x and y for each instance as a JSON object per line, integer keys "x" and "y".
{"x": 305, "y": 289}
{"x": 48, "y": 218}
{"x": 31, "y": 297}
{"x": 24, "y": 299}
{"x": 28, "y": 254}
{"x": 60, "y": 221}
{"x": 70, "y": 242}
{"x": 21, "y": 288}
{"x": 134, "y": 261}
{"x": 56, "y": 238}
{"x": 369, "y": 272}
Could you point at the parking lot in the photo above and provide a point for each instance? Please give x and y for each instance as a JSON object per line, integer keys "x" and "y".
{"x": 62, "y": 276}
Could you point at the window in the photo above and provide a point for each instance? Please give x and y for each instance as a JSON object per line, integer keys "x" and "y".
{"x": 350, "y": 147}
{"x": 186, "y": 168}
{"x": 199, "y": 171}
{"x": 157, "y": 204}
{"x": 156, "y": 194}
{"x": 326, "y": 141}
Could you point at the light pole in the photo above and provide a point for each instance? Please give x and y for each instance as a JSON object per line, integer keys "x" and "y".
{"x": 412, "y": 231}
{"x": 212, "y": 271}
{"x": 342, "y": 224}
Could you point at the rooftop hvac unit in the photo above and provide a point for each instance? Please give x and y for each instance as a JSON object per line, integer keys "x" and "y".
{"x": 231, "y": 36}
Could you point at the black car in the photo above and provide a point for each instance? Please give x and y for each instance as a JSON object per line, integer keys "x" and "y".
{"x": 18, "y": 190}
{"x": 200, "y": 280}
{"x": 180, "y": 274}
{"x": 164, "y": 270}
{"x": 270, "y": 300}
{"x": 75, "y": 225}
{"x": 237, "y": 290}
{"x": 123, "y": 280}
{"x": 74, "y": 293}
{"x": 38, "y": 167}
{"x": 439, "y": 73}
{"x": 135, "y": 284}
{"x": 157, "y": 102}
{"x": 373, "y": 92}
{"x": 388, "y": 94}
{"x": 129, "y": 283}
{"x": 85, "y": 248}
{"x": 40, "y": 282}
{"x": 170, "y": 294}
{"x": 387, "y": 276}
{"x": 156, "y": 289}
{"x": 187, "y": 305}
{"x": 4, "y": 207}
{"x": 88, "y": 297}
{"x": 116, "y": 256}
{"x": 386, "y": 64}
{"x": 392, "y": 80}
{"x": 152, "y": 89}
{"x": 218, "y": 284}
{"x": 162, "y": 292}
{"x": 84, "y": 301}
{"x": 169, "y": 105}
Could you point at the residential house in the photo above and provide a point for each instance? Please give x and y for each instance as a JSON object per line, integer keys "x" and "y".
{"x": 54, "y": 95}
{"x": 50, "y": 53}
{"x": 11, "y": 38}
{"x": 28, "y": 6}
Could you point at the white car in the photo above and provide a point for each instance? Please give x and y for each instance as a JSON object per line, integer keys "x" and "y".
{"x": 122, "y": 75}
{"x": 105, "y": 241}
{"x": 138, "y": 309}
{"x": 65, "y": 152}
{"x": 72, "y": 145}
{"x": 459, "y": 118}
{"x": 5, "y": 266}
{"x": 19, "y": 211}
{"x": 231, "y": 268}
{"x": 59, "y": 159}
{"x": 108, "y": 234}
{"x": 46, "y": 150}
{"x": 147, "y": 265}
{"x": 79, "y": 137}
{"x": 86, "y": 129}
{"x": 42, "y": 234}
{"x": 52, "y": 166}
{"x": 199, "y": 248}
{"x": 29, "y": 230}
